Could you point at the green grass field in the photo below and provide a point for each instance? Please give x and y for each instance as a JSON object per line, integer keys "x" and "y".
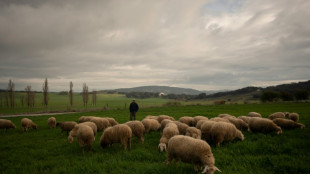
{"x": 46, "y": 150}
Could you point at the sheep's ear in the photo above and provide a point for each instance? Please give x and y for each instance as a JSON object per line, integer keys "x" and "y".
{"x": 217, "y": 169}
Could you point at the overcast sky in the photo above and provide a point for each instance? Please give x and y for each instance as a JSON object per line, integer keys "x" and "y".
{"x": 108, "y": 44}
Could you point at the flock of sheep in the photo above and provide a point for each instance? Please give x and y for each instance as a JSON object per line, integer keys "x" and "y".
{"x": 186, "y": 139}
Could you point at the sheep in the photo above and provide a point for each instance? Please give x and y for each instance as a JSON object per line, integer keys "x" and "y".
{"x": 223, "y": 115}
{"x": 190, "y": 121}
{"x": 120, "y": 133}
{"x": 27, "y": 123}
{"x": 137, "y": 129}
{"x": 222, "y": 131}
{"x": 164, "y": 123}
{"x": 191, "y": 150}
{"x": 6, "y": 124}
{"x": 152, "y": 117}
{"x": 150, "y": 125}
{"x": 85, "y": 137}
{"x": 287, "y": 124}
{"x": 66, "y": 126}
{"x": 245, "y": 118}
{"x": 254, "y": 114}
{"x": 162, "y": 117}
{"x": 73, "y": 132}
{"x": 193, "y": 132}
{"x": 112, "y": 121}
{"x": 205, "y": 129}
{"x": 169, "y": 131}
{"x": 276, "y": 115}
{"x": 199, "y": 123}
{"x": 51, "y": 122}
{"x": 240, "y": 124}
{"x": 102, "y": 123}
{"x": 198, "y": 118}
{"x": 219, "y": 119}
{"x": 85, "y": 118}
{"x": 181, "y": 126}
{"x": 263, "y": 125}
{"x": 293, "y": 116}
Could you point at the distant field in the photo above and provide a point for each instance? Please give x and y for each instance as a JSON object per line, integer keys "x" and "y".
{"x": 47, "y": 151}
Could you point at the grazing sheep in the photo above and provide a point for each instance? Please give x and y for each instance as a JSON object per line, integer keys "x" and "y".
{"x": 137, "y": 129}
{"x": 293, "y": 116}
{"x": 205, "y": 129}
{"x": 162, "y": 117}
{"x": 66, "y": 126}
{"x": 51, "y": 122}
{"x": 102, "y": 123}
{"x": 112, "y": 121}
{"x": 120, "y": 133}
{"x": 150, "y": 125}
{"x": 287, "y": 124}
{"x": 6, "y": 124}
{"x": 152, "y": 117}
{"x": 73, "y": 132}
{"x": 224, "y": 115}
{"x": 27, "y": 123}
{"x": 254, "y": 114}
{"x": 181, "y": 126}
{"x": 263, "y": 125}
{"x": 224, "y": 132}
{"x": 190, "y": 121}
{"x": 169, "y": 131}
{"x": 199, "y": 123}
{"x": 198, "y": 118}
{"x": 276, "y": 115}
{"x": 193, "y": 132}
{"x": 191, "y": 150}
{"x": 85, "y": 137}
{"x": 219, "y": 119}
{"x": 240, "y": 124}
{"x": 164, "y": 123}
{"x": 245, "y": 118}
{"x": 85, "y": 118}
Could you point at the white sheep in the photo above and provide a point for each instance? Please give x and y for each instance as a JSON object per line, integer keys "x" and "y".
{"x": 169, "y": 131}
{"x": 193, "y": 132}
{"x": 150, "y": 125}
{"x": 164, "y": 123}
{"x": 181, "y": 126}
{"x": 137, "y": 129}
{"x": 191, "y": 150}
{"x": 288, "y": 124}
{"x": 219, "y": 119}
{"x": 85, "y": 137}
{"x": 205, "y": 129}
{"x": 198, "y": 118}
{"x": 27, "y": 123}
{"x": 239, "y": 123}
{"x": 73, "y": 132}
{"x": 263, "y": 125}
{"x": 6, "y": 124}
{"x": 162, "y": 117}
{"x": 85, "y": 118}
{"x": 254, "y": 114}
{"x": 224, "y": 132}
{"x": 223, "y": 115}
{"x": 112, "y": 121}
{"x": 51, "y": 122}
{"x": 190, "y": 121}
{"x": 66, "y": 126}
{"x": 293, "y": 116}
{"x": 199, "y": 123}
{"x": 245, "y": 118}
{"x": 276, "y": 115}
{"x": 120, "y": 133}
{"x": 102, "y": 123}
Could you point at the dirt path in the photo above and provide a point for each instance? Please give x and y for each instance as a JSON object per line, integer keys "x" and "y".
{"x": 36, "y": 115}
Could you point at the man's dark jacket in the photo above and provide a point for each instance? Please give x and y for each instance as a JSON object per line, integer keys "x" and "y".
{"x": 133, "y": 107}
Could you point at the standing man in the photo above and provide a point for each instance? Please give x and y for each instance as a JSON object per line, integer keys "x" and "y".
{"x": 133, "y": 108}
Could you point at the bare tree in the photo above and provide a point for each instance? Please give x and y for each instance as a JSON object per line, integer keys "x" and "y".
{"x": 94, "y": 96}
{"x": 71, "y": 94}
{"x": 85, "y": 94}
{"x": 45, "y": 93}
{"x": 30, "y": 97}
{"x": 10, "y": 94}
{"x": 22, "y": 100}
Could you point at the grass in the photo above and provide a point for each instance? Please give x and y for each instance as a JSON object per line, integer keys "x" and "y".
{"x": 47, "y": 151}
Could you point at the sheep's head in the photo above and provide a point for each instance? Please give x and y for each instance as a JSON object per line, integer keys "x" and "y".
{"x": 210, "y": 170}
{"x": 34, "y": 126}
{"x": 240, "y": 135}
{"x": 279, "y": 130}
{"x": 162, "y": 147}
{"x": 70, "y": 139}
{"x": 302, "y": 126}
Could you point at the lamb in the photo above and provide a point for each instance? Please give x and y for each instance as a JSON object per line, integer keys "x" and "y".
{"x": 181, "y": 126}
{"x": 219, "y": 119}
{"x": 73, "y": 132}
{"x": 246, "y": 119}
{"x": 293, "y": 116}
{"x": 102, "y": 123}
{"x": 287, "y": 124}
{"x": 276, "y": 115}
{"x": 51, "y": 122}
{"x": 240, "y": 124}
{"x": 6, "y": 124}
{"x": 137, "y": 129}
{"x": 198, "y": 118}
{"x": 120, "y": 133}
{"x": 112, "y": 121}
{"x": 191, "y": 150}
{"x": 205, "y": 129}
{"x": 27, "y": 123}
{"x": 222, "y": 131}
{"x": 85, "y": 137}
{"x": 66, "y": 126}
{"x": 150, "y": 125}
{"x": 254, "y": 114}
{"x": 190, "y": 121}
{"x": 169, "y": 131}
{"x": 193, "y": 132}
{"x": 263, "y": 125}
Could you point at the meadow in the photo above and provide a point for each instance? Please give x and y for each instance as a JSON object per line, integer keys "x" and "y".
{"x": 46, "y": 150}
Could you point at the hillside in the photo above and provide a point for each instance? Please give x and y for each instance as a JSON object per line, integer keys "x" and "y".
{"x": 159, "y": 89}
